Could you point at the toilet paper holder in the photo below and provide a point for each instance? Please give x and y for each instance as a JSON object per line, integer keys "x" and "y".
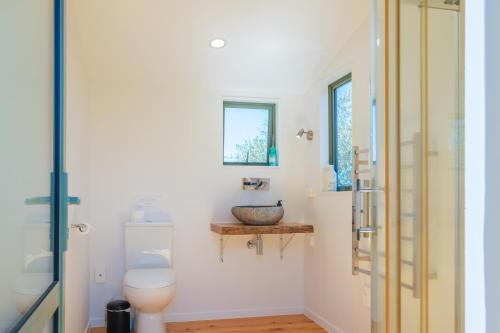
{"x": 84, "y": 228}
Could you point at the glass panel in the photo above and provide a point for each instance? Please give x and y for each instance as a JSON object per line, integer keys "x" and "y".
{"x": 410, "y": 164}
{"x": 430, "y": 167}
{"x": 246, "y": 134}
{"x": 26, "y": 117}
{"x": 343, "y": 135}
{"x": 378, "y": 138}
{"x": 444, "y": 163}
{"x": 418, "y": 287}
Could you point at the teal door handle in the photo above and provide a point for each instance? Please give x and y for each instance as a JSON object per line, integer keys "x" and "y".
{"x": 46, "y": 201}
{"x": 58, "y": 210}
{"x": 74, "y": 201}
{"x": 38, "y": 201}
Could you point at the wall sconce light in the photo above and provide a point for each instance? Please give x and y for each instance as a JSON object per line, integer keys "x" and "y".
{"x": 309, "y": 134}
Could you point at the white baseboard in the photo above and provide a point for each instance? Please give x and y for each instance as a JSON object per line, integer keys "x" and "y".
{"x": 230, "y": 314}
{"x": 87, "y": 329}
{"x": 97, "y": 322}
{"x": 216, "y": 315}
{"x": 325, "y": 324}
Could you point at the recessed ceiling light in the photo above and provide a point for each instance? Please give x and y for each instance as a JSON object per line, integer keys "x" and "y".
{"x": 217, "y": 43}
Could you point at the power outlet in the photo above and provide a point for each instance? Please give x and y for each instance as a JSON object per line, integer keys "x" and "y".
{"x": 100, "y": 273}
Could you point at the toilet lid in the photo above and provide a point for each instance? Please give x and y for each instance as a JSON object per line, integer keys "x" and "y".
{"x": 149, "y": 278}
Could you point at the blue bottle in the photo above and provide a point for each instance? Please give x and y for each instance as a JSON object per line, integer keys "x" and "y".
{"x": 273, "y": 156}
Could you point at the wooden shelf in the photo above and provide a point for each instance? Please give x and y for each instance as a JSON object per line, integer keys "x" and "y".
{"x": 234, "y": 229}
{"x": 242, "y": 229}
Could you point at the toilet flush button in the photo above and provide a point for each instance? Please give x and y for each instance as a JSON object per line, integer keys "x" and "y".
{"x": 100, "y": 273}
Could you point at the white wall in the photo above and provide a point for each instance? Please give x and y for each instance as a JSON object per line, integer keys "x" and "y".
{"x": 474, "y": 167}
{"x": 77, "y": 136}
{"x": 332, "y": 295}
{"x": 166, "y": 140}
{"x": 492, "y": 210}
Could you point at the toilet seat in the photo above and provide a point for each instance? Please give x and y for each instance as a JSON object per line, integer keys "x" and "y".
{"x": 149, "y": 278}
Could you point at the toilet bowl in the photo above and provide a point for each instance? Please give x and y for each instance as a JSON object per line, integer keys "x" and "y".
{"x": 29, "y": 287}
{"x": 149, "y": 281}
{"x": 149, "y": 291}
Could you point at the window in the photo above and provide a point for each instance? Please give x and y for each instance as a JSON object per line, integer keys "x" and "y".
{"x": 340, "y": 105}
{"x": 249, "y": 133}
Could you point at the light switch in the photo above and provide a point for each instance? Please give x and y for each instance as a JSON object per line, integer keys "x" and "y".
{"x": 100, "y": 273}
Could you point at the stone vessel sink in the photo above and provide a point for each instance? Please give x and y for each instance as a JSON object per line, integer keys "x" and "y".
{"x": 259, "y": 215}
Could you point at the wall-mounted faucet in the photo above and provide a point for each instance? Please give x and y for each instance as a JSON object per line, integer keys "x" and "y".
{"x": 255, "y": 184}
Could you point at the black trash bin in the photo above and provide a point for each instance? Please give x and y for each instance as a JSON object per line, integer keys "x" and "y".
{"x": 118, "y": 317}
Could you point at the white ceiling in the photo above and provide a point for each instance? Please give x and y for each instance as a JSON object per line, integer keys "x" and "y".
{"x": 272, "y": 45}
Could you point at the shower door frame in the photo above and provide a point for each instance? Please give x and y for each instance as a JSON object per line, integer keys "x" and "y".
{"x": 50, "y": 304}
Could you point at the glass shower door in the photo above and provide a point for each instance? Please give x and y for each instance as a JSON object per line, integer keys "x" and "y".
{"x": 32, "y": 183}
{"x": 431, "y": 167}
{"x": 417, "y": 251}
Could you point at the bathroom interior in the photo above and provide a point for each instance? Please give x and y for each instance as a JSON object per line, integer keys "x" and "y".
{"x": 214, "y": 153}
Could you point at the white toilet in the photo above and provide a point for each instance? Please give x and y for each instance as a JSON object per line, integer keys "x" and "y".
{"x": 29, "y": 287}
{"x": 149, "y": 283}
{"x": 37, "y": 272}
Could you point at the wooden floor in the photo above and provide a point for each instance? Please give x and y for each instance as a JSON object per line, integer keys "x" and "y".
{"x": 289, "y": 324}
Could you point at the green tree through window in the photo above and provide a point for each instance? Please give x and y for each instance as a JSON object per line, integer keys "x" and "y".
{"x": 340, "y": 94}
{"x": 249, "y": 133}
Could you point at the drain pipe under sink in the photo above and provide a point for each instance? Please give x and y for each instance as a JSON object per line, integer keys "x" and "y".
{"x": 257, "y": 243}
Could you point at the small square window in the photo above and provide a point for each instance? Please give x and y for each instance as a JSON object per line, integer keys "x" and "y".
{"x": 340, "y": 104}
{"x": 249, "y": 133}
